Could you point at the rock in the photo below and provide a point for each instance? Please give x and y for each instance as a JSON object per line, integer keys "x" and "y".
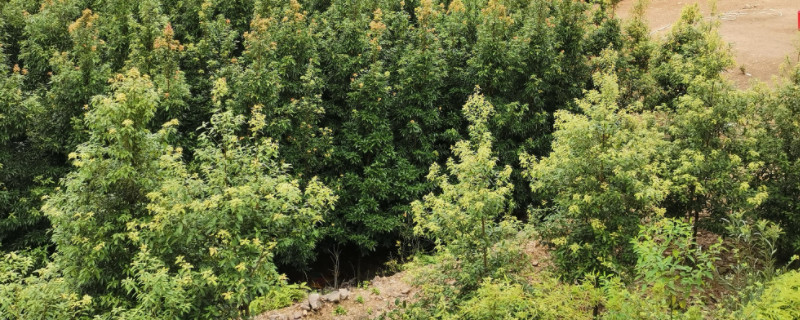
{"x": 278, "y": 317}
{"x": 344, "y": 294}
{"x": 313, "y": 301}
{"x": 405, "y": 291}
{"x": 297, "y": 315}
{"x": 535, "y": 263}
{"x": 304, "y": 305}
{"x": 332, "y": 297}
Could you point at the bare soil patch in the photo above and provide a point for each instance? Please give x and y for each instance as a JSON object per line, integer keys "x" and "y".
{"x": 382, "y": 295}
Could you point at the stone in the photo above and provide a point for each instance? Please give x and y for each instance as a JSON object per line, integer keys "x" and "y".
{"x": 405, "y": 291}
{"x": 535, "y": 263}
{"x": 305, "y": 305}
{"x": 332, "y": 297}
{"x": 297, "y": 315}
{"x": 344, "y": 294}
{"x": 313, "y": 301}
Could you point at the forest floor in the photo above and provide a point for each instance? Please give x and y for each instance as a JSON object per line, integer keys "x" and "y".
{"x": 763, "y": 33}
{"x": 382, "y": 294}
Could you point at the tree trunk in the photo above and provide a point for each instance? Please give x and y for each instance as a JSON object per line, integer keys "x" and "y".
{"x": 483, "y": 235}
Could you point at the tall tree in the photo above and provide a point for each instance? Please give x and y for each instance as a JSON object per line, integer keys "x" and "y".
{"x": 465, "y": 217}
{"x": 114, "y": 171}
{"x": 605, "y": 174}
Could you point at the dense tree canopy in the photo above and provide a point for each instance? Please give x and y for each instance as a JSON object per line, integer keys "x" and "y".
{"x": 165, "y": 159}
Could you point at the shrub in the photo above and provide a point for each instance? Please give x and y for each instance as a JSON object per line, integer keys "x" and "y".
{"x": 670, "y": 259}
{"x": 474, "y": 195}
{"x": 605, "y": 174}
{"x": 780, "y": 299}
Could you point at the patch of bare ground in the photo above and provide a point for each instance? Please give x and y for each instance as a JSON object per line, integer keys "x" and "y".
{"x": 382, "y": 295}
{"x": 763, "y": 33}
{"x": 538, "y": 254}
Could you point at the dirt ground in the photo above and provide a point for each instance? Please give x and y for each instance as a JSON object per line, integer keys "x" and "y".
{"x": 763, "y": 33}
{"x": 382, "y": 295}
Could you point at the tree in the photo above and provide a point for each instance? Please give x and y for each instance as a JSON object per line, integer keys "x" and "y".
{"x": 223, "y": 220}
{"x": 605, "y": 174}
{"x": 279, "y": 72}
{"x": 133, "y": 207}
{"x": 77, "y": 75}
{"x": 45, "y": 34}
{"x": 469, "y": 214}
{"x": 22, "y": 183}
{"x": 715, "y": 135}
{"x": 692, "y": 49}
{"x": 115, "y": 170}
{"x": 778, "y": 149}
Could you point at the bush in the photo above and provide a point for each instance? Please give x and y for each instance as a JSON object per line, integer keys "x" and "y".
{"x": 780, "y": 300}
{"x": 475, "y": 195}
{"x": 30, "y": 293}
{"x": 605, "y": 174}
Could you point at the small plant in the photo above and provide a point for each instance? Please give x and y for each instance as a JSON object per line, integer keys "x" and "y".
{"x": 339, "y": 311}
{"x": 364, "y": 284}
{"x": 672, "y": 261}
{"x": 393, "y": 266}
{"x": 360, "y": 299}
{"x": 279, "y": 298}
{"x": 754, "y": 243}
{"x": 375, "y": 291}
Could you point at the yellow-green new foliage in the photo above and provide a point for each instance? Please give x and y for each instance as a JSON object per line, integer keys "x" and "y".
{"x": 114, "y": 171}
{"x": 475, "y": 193}
{"x": 230, "y": 213}
{"x": 779, "y": 301}
{"x": 30, "y": 293}
{"x": 604, "y": 174}
{"x": 548, "y": 299}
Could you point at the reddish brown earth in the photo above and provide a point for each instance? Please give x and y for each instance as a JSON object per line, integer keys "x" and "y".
{"x": 762, "y": 33}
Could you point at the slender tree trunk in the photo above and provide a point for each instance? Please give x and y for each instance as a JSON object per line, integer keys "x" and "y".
{"x": 596, "y": 309}
{"x": 483, "y": 232}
